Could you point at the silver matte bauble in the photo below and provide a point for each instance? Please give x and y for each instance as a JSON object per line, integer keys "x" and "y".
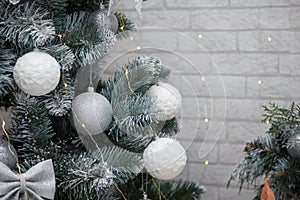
{"x": 37, "y": 73}
{"x": 92, "y": 112}
{"x": 166, "y": 98}
{"x": 6, "y": 156}
{"x": 294, "y": 149}
{"x": 164, "y": 158}
{"x": 100, "y": 19}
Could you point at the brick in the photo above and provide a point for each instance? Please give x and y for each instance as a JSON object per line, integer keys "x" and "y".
{"x": 200, "y": 152}
{"x": 231, "y": 153}
{"x": 243, "y": 132}
{"x": 258, "y": 3}
{"x": 214, "y": 132}
{"x": 242, "y": 109}
{"x": 149, "y": 41}
{"x": 294, "y": 2}
{"x": 225, "y": 19}
{"x": 212, "y": 86}
{"x": 190, "y": 86}
{"x": 294, "y": 18}
{"x": 289, "y": 64}
{"x": 257, "y": 41}
{"x": 212, "y": 193}
{"x": 130, "y": 5}
{"x": 294, "y": 42}
{"x": 242, "y": 63}
{"x": 234, "y": 194}
{"x": 210, "y": 174}
{"x": 196, "y": 3}
{"x": 294, "y": 87}
{"x": 274, "y": 18}
{"x": 218, "y": 41}
{"x": 184, "y": 63}
{"x": 169, "y": 19}
{"x": 190, "y": 130}
{"x": 198, "y": 130}
{"x": 234, "y": 86}
{"x": 274, "y": 87}
{"x": 195, "y": 107}
{"x": 209, "y": 42}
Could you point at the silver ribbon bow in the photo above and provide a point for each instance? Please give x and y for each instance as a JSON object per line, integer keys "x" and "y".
{"x": 37, "y": 183}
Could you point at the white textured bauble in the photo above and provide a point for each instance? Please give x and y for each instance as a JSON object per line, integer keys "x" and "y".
{"x": 37, "y": 73}
{"x": 167, "y": 99}
{"x": 100, "y": 19}
{"x": 92, "y": 112}
{"x": 164, "y": 158}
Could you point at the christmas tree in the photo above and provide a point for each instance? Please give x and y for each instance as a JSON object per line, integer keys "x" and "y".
{"x": 275, "y": 157}
{"x": 55, "y": 134}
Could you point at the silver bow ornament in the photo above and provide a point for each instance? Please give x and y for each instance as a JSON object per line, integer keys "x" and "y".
{"x": 37, "y": 183}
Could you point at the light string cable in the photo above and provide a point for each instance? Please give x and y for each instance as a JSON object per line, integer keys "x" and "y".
{"x": 92, "y": 138}
{"x": 9, "y": 144}
{"x": 160, "y": 193}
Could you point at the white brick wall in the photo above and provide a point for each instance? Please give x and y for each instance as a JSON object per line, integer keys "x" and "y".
{"x": 233, "y": 50}
{"x": 233, "y": 46}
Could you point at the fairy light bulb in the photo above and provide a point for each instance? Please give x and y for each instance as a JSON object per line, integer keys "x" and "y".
{"x": 206, "y": 162}
{"x": 259, "y": 82}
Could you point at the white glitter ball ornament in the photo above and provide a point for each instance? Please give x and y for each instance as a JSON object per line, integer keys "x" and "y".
{"x": 37, "y": 73}
{"x": 167, "y": 99}
{"x": 92, "y": 112}
{"x": 100, "y": 19}
{"x": 164, "y": 158}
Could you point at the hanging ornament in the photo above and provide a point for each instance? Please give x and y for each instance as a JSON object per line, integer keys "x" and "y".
{"x": 100, "y": 19}
{"x": 37, "y": 183}
{"x": 164, "y": 158}
{"x": 37, "y": 73}
{"x": 14, "y": 2}
{"x": 6, "y": 155}
{"x": 145, "y": 196}
{"x": 267, "y": 193}
{"x": 166, "y": 98}
{"x": 92, "y": 112}
{"x": 294, "y": 148}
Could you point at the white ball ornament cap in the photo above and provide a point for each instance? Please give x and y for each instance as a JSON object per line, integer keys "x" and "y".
{"x": 92, "y": 112}
{"x": 37, "y": 73}
{"x": 167, "y": 98}
{"x": 164, "y": 158}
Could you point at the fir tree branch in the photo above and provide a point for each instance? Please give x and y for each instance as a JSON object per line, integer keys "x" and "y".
{"x": 85, "y": 173}
{"x": 7, "y": 62}
{"x": 88, "y": 43}
{"x": 26, "y": 26}
{"x": 59, "y": 101}
{"x": 268, "y": 156}
{"x": 31, "y": 128}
